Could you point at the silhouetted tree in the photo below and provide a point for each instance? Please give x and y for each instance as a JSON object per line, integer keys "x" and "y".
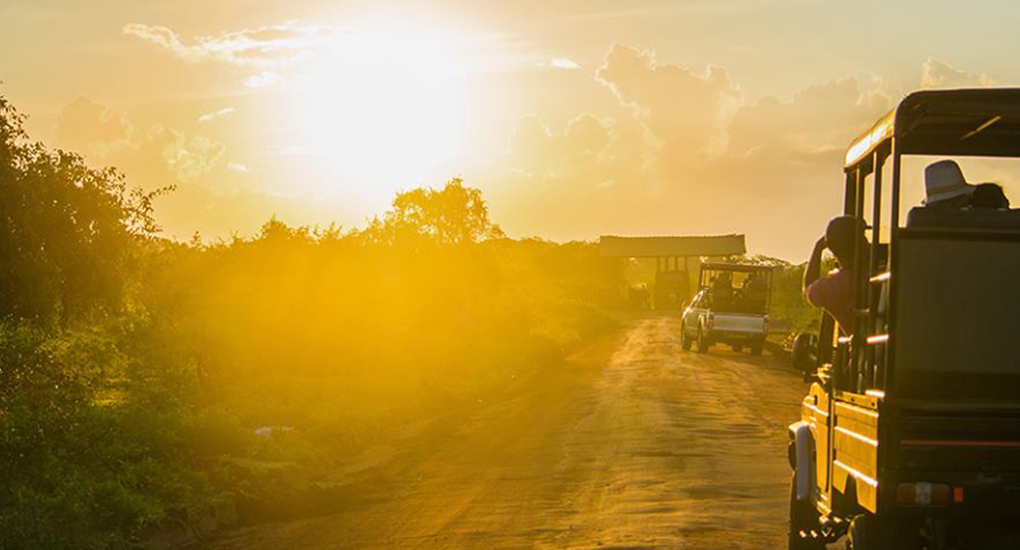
{"x": 454, "y": 215}
{"x": 66, "y": 230}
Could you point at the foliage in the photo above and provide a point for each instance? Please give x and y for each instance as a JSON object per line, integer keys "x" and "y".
{"x": 451, "y": 216}
{"x": 135, "y": 371}
{"x": 66, "y": 230}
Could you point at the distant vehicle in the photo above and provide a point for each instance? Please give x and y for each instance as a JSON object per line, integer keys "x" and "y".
{"x": 672, "y": 288}
{"x": 638, "y": 297}
{"x": 910, "y": 433}
{"x": 731, "y": 307}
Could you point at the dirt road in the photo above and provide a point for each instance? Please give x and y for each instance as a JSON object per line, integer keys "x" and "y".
{"x": 631, "y": 444}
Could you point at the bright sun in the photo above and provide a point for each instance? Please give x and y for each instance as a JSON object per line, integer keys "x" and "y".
{"x": 381, "y": 109}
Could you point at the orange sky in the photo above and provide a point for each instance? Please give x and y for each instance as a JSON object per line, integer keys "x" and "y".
{"x": 575, "y": 118}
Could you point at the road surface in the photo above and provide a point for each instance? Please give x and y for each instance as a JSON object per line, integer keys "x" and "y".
{"x": 631, "y": 444}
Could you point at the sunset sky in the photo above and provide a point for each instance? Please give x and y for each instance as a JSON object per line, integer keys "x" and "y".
{"x": 575, "y": 118}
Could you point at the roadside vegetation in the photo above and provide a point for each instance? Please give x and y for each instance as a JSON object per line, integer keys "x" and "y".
{"x": 147, "y": 383}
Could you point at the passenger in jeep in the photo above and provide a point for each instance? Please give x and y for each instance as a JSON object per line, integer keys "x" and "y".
{"x": 945, "y": 186}
{"x": 835, "y": 292}
{"x": 989, "y": 195}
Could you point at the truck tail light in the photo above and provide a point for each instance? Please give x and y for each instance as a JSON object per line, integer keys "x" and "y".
{"x": 710, "y": 322}
{"x": 922, "y": 493}
{"x": 766, "y": 324}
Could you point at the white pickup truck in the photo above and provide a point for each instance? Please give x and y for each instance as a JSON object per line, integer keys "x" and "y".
{"x": 731, "y": 307}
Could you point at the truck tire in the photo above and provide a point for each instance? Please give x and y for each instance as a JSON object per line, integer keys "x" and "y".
{"x": 860, "y": 535}
{"x": 738, "y": 347}
{"x": 685, "y": 341}
{"x": 702, "y": 341}
{"x": 803, "y": 519}
{"x": 757, "y": 346}
{"x": 869, "y": 532}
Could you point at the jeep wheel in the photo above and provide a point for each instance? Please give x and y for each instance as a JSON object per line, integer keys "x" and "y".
{"x": 702, "y": 341}
{"x": 803, "y": 520}
{"x": 757, "y": 347}
{"x": 685, "y": 341}
{"x": 861, "y": 534}
{"x": 870, "y": 532}
{"x": 738, "y": 347}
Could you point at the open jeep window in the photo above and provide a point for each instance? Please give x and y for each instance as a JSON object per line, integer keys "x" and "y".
{"x": 976, "y": 170}
{"x": 738, "y": 291}
{"x": 957, "y": 298}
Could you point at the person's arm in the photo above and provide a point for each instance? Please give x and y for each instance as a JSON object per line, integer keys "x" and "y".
{"x": 814, "y": 267}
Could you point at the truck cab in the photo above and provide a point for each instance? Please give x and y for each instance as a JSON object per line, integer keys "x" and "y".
{"x": 909, "y": 435}
{"x": 731, "y": 307}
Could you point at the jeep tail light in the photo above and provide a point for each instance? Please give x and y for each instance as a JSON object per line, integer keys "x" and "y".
{"x": 922, "y": 493}
{"x": 766, "y": 323}
{"x": 711, "y": 320}
{"x": 958, "y": 495}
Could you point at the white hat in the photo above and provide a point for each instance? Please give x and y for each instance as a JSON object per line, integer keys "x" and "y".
{"x": 943, "y": 180}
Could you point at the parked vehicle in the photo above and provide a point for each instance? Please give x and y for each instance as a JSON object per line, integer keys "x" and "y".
{"x": 731, "y": 307}
{"x": 910, "y": 433}
{"x": 671, "y": 289}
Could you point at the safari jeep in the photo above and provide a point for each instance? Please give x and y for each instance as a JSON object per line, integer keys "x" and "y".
{"x": 910, "y": 433}
{"x": 731, "y": 307}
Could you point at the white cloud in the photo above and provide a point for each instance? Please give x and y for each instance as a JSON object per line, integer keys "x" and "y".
{"x": 686, "y": 112}
{"x": 939, "y": 74}
{"x": 264, "y": 79}
{"x": 564, "y": 63}
{"x": 208, "y": 117}
{"x": 259, "y": 47}
{"x": 238, "y": 167}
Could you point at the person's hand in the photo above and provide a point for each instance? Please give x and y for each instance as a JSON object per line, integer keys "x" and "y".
{"x": 821, "y": 243}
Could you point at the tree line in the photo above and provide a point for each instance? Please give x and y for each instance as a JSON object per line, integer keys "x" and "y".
{"x": 147, "y": 382}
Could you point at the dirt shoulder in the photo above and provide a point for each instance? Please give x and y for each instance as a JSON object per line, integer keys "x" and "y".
{"x": 630, "y": 443}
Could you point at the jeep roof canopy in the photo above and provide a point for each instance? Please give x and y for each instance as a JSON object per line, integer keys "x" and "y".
{"x": 970, "y": 122}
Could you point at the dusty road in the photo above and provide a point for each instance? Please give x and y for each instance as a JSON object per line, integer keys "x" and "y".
{"x": 631, "y": 444}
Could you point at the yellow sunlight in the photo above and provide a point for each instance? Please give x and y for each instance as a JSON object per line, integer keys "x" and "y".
{"x": 380, "y": 109}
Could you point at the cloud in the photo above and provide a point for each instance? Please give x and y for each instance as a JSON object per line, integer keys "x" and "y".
{"x": 708, "y": 139}
{"x": 537, "y": 151}
{"x": 563, "y": 63}
{"x": 238, "y": 167}
{"x": 157, "y": 156}
{"x": 818, "y": 118}
{"x": 259, "y": 47}
{"x": 163, "y": 156}
{"x": 688, "y": 154}
{"x": 264, "y": 79}
{"x": 939, "y": 74}
{"x": 85, "y": 125}
{"x": 209, "y": 117}
{"x": 687, "y": 112}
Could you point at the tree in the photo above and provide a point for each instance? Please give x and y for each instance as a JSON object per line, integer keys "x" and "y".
{"x": 67, "y": 230}
{"x": 454, "y": 215}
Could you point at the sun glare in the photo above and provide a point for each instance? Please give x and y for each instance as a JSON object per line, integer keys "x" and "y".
{"x": 381, "y": 108}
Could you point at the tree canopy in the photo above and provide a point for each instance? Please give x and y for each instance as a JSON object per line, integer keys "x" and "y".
{"x": 66, "y": 229}
{"x": 453, "y": 215}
